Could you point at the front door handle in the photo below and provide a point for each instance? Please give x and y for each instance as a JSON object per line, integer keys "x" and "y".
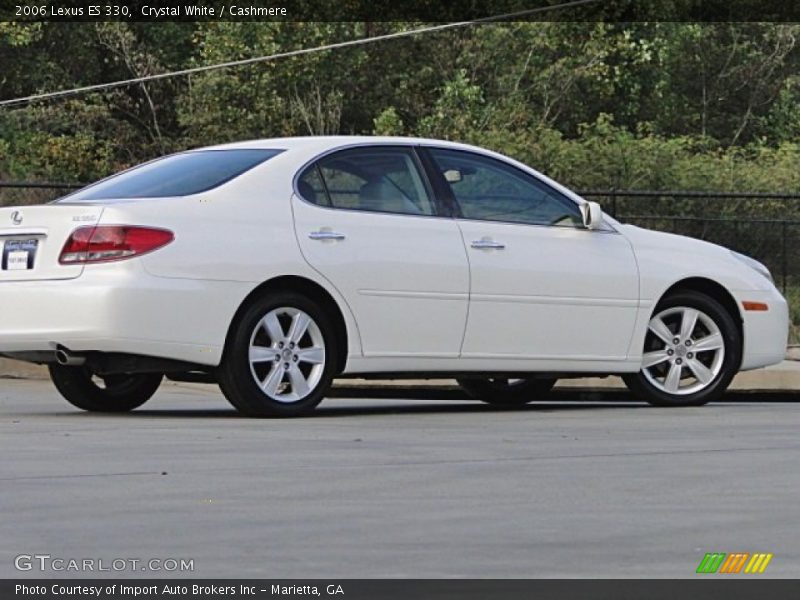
{"x": 487, "y": 244}
{"x": 326, "y": 235}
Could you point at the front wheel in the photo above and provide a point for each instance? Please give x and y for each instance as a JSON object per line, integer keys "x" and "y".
{"x": 107, "y": 393}
{"x": 281, "y": 357}
{"x": 507, "y": 392}
{"x": 692, "y": 351}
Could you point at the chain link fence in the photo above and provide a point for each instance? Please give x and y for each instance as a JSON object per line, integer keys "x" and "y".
{"x": 762, "y": 225}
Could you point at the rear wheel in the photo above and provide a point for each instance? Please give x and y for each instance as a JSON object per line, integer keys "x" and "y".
{"x": 108, "y": 393}
{"x": 507, "y": 392}
{"x": 281, "y": 357}
{"x": 692, "y": 351}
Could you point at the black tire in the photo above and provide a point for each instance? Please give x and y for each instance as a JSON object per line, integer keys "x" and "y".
{"x": 238, "y": 382}
{"x": 505, "y": 392}
{"x": 121, "y": 393}
{"x": 644, "y": 389}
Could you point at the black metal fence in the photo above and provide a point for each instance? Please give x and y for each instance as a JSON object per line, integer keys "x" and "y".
{"x": 762, "y": 225}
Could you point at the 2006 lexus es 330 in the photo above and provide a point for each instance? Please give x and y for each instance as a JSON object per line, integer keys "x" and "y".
{"x": 273, "y": 266}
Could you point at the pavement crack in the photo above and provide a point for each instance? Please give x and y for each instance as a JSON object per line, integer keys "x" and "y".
{"x": 79, "y": 476}
{"x": 605, "y": 455}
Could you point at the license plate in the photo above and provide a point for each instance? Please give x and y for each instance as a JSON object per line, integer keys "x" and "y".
{"x": 18, "y": 255}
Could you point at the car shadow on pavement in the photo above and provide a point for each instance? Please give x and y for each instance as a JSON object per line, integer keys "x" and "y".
{"x": 377, "y": 408}
{"x": 566, "y": 394}
{"x": 437, "y": 400}
{"x": 450, "y": 400}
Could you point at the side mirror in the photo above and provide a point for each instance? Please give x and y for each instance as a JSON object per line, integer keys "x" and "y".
{"x": 592, "y": 215}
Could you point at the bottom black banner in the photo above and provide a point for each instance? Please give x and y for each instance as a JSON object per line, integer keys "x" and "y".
{"x": 391, "y": 589}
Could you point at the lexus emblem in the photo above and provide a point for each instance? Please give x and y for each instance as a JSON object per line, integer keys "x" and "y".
{"x": 16, "y": 217}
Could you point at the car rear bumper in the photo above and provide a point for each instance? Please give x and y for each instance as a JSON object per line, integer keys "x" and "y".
{"x": 120, "y": 308}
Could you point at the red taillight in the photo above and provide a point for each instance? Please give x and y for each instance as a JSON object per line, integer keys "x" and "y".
{"x": 103, "y": 243}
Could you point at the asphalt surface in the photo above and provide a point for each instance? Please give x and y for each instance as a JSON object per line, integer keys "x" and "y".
{"x": 399, "y": 488}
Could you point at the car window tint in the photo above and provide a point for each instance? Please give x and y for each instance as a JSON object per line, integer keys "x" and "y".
{"x": 377, "y": 179}
{"x": 176, "y": 175}
{"x": 343, "y": 186}
{"x": 490, "y": 190}
{"x": 311, "y": 187}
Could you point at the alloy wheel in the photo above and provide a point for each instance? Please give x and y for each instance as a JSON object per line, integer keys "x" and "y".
{"x": 287, "y": 354}
{"x": 684, "y": 351}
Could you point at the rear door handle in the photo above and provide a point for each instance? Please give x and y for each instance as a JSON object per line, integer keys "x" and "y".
{"x": 326, "y": 235}
{"x": 487, "y": 244}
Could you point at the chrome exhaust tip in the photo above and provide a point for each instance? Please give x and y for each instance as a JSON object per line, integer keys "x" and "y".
{"x": 68, "y": 359}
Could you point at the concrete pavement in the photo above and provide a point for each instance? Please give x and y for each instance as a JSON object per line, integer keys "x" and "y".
{"x": 400, "y": 488}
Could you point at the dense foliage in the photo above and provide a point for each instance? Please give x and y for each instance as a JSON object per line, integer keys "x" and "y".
{"x": 659, "y": 105}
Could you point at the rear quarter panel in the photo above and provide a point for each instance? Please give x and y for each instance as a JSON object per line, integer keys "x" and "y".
{"x": 229, "y": 241}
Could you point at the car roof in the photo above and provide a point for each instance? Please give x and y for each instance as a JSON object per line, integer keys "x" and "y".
{"x": 328, "y": 142}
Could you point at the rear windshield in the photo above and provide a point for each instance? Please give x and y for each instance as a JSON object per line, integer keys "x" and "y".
{"x": 176, "y": 175}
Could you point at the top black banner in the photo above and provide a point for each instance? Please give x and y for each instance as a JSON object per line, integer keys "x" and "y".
{"x": 401, "y": 10}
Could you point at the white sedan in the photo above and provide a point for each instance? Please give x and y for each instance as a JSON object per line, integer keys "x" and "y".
{"x": 271, "y": 267}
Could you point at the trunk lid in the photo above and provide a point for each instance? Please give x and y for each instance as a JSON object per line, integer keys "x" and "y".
{"x": 31, "y": 239}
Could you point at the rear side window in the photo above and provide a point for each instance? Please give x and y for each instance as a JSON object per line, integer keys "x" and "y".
{"x": 312, "y": 188}
{"x": 384, "y": 179}
{"x": 176, "y": 175}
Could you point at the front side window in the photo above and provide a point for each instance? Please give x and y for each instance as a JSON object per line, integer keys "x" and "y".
{"x": 176, "y": 175}
{"x": 490, "y": 190}
{"x": 377, "y": 179}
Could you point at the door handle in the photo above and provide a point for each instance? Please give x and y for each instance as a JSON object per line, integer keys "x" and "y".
{"x": 326, "y": 235}
{"x": 487, "y": 244}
